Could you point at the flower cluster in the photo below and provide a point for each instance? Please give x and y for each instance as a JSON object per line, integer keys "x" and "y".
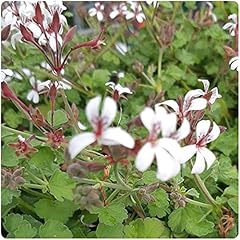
{"x": 126, "y": 10}
{"x": 167, "y": 132}
{"x": 232, "y": 27}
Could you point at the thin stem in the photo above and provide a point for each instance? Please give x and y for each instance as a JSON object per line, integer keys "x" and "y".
{"x": 36, "y": 193}
{"x": 69, "y": 111}
{"x": 27, "y": 206}
{"x": 200, "y": 204}
{"x": 33, "y": 185}
{"x": 161, "y": 50}
{"x": 204, "y": 190}
{"x": 22, "y": 133}
{"x": 36, "y": 179}
{"x": 112, "y": 195}
{"x": 104, "y": 184}
{"x": 118, "y": 177}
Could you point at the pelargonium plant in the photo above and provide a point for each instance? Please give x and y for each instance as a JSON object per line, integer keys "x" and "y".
{"x": 123, "y": 125}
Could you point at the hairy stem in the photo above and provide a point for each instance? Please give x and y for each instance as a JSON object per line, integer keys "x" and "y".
{"x": 200, "y": 204}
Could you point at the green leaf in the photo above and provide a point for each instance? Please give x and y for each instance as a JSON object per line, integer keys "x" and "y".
{"x": 61, "y": 186}
{"x": 200, "y": 229}
{"x": 18, "y": 227}
{"x": 44, "y": 160}
{"x": 110, "y": 58}
{"x": 9, "y": 157}
{"x": 52, "y": 209}
{"x": 226, "y": 172}
{"x": 12, "y": 118}
{"x": 106, "y": 231}
{"x": 147, "y": 228}
{"x": 73, "y": 96}
{"x": 159, "y": 208}
{"x": 177, "y": 220}
{"x": 149, "y": 177}
{"x": 54, "y": 229}
{"x": 227, "y": 143}
{"x": 193, "y": 192}
{"x": 185, "y": 57}
{"x": 25, "y": 230}
{"x": 7, "y": 195}
{"x": 165, "y": 4}
{"x": 59, "y": 117}
{"x": 175, "y": 72}
{"x": 112, "y": 214}
{"x": 233, "y": 203}
{"x": 191, "y": 218}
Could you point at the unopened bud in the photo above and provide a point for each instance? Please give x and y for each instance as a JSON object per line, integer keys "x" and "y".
{"x": 75, "y": 170}
{"x": 138, "y": 67}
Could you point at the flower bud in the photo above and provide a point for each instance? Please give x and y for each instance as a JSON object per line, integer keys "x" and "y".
{"x": 138, "y": 67}
{"x": 5, "y": 32}
{"x": 76, "y": 170}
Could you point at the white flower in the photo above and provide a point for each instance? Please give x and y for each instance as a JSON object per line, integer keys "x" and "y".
{"x": 191, "y": 102}
{"x": 58, "y": 84}
{"x": 135, "y": 13}
{"x": 152, "y": 2}
{"x": 102, "y": 133}
{"x": 33, "y": 95}
{"x": 118, "y": 88}
{"x": 97, "y": 10}
{"x": 117, "y": 10}
{"x": 204, "y": 136}
{"x": 8, "y": 17}
{"x": 212, "y": 95}
{"x": 231, "y": 26}
{"x": 166, "y": 149}
{"x": 81, "y": 126}
{"x": 122, "y": 48}
{"x": 21, "y": 138}
{"x": 210, "y": 12}
{"x": 6, "y": 75}
{"x": 235, "y": 63}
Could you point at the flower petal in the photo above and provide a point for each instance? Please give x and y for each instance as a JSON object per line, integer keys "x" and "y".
{"x": 100, "y": 16}
{"x": 81, "y": 126}
{"x": 202, "y": 128}
{"x": 170, "y": 103}
{"x": 168, "y": 167}
{"x": 35, "y": 29}
{"x": 122, "y": 89}
{"x": 172, "y": 147}
{"x": 215, "y": 95}
{"x": 188, "y": 152}
{"x": 145, "y": 157}
{"x": 30, "y": 95}
{"x": 215, "y": 132}
{"x": 113, "y": 14}
{"x": 205, "y": 83}
{"x": 79, "y": 142}
{"x": 183, "y": 131}
{"x": 208, "y": 156}
{"x": 109, "y": 111}
{"x": 92, "y": 12}
{"x": 92, "y": 110}
{"x": 148, "y": 118}
{"x": 129, "y": 15}
{"x": 116, "y": 135}
{"x": 197, "y": 104}
{"x": 199, "y": 164}
{"x": 193, "y": 94}
{"x": 168, "y": 124}
{"x": 35, "y": 97}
